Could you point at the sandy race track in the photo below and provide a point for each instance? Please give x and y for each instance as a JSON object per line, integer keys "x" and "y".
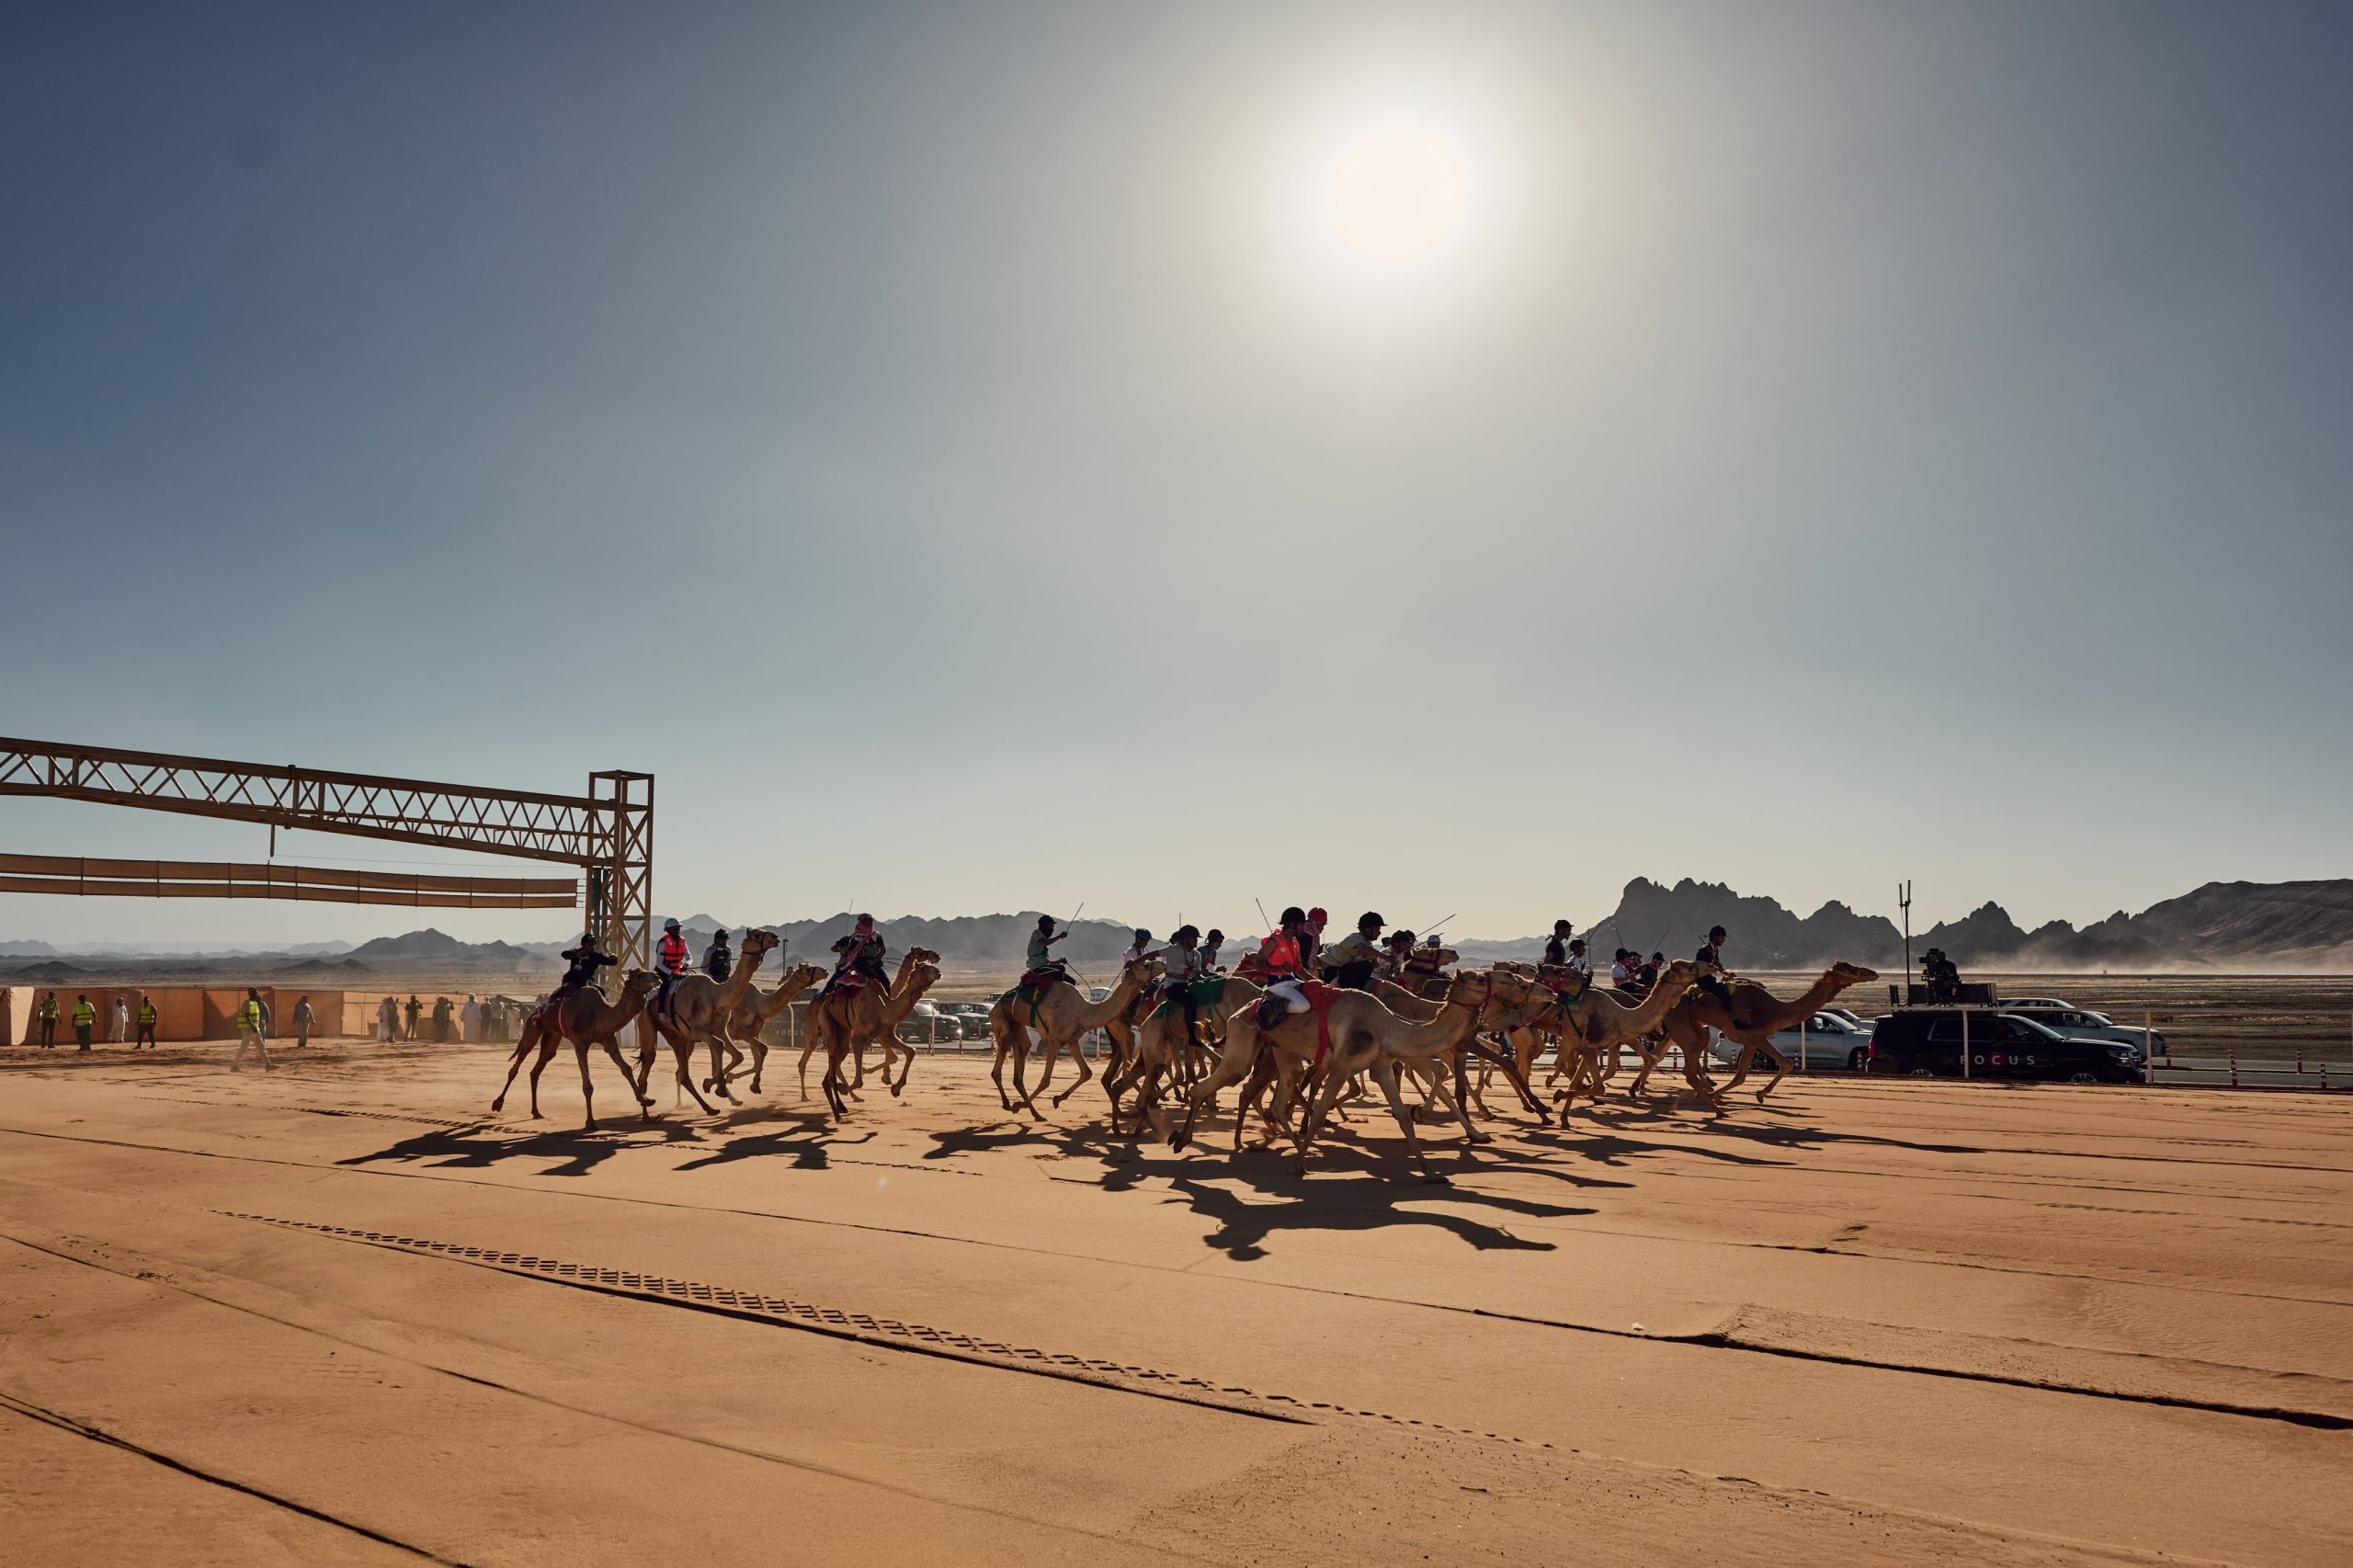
{"x": 338, "y": 1314}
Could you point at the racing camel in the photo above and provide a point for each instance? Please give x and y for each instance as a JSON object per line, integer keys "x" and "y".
{"x": 1350, "y": 1033}
{"x": 700, "y": 1009}
{"x": 752, "y": 1015}
{"x": 1061, "y": 1017}
{"x": 849, "y": 1021}
{"x": 585, "y": 1018}
{"x": 1754, "y": 1017}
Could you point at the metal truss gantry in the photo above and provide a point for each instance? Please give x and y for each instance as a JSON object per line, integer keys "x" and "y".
{"x": 607, "y": 833}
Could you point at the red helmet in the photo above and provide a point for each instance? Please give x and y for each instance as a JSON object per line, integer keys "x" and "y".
{"x": 1317, "y": 917}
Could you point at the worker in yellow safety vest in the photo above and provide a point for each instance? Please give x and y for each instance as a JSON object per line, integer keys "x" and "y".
{"x": 146, "y": 1035}
{"x": 249, "y": 1032}
{"x": 86, "y": 1017}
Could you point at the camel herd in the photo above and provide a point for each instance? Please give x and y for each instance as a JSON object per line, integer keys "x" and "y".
{"x": 1502, "y": 1017}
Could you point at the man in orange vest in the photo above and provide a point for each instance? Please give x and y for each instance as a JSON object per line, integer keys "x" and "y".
{"x": 671, "y": 959}
{"x": 1285, "y": 967}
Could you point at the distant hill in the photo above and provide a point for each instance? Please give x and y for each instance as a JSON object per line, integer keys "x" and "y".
{"x": 432, "y": 947}
{"x": 2238, "y": 925}
{"x": 965, "y": 941}
{"x": 2303, "y": 925}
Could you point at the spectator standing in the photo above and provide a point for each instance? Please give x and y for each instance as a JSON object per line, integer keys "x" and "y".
{"x": 118, "y": 1024}
{"x": 146, "y": 1022}
{"x": 440, "y": 1020}
{"x": 268, "y": 1018}
{"x": 415, "y": 1011}
{"x": 48, "y": 1022}
{"x": 303, "y": 1020}
{"x": 249, "y": 1016}
{"x": 388, "y": 1020}
{"x": 85, "y": 1018}
{"x": 469, "y": 1020}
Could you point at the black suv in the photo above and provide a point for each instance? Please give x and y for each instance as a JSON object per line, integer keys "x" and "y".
{"x": 1927, "y": 1044}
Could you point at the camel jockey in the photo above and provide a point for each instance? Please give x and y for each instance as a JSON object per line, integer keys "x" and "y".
{"x": 1711, "y": 953}
{"x": 1285, "y": 967}
{"x": 1311, "y": 941}
{"x": 670, "y": 960}
{"x": 1421, "y": 964}
{"x": 1210, "y": 945}
{"x": 1355, "y": 959}
{"x": 861, "y": 956}
{"x": 1038, "y": 961}
{"x": 1138, "y": 949}
{"x": 585, "y": 960}
{"x": 1395, "y": 950}
{"x": 1578, "y": 961}
{"x": 717, "y": 959}
{"x": 1556, "y": 946}
{"x": 1183, "y": 958}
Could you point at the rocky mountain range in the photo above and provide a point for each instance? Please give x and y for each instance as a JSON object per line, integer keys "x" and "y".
{"x": 2223, "y": 926}
{"x": 2239, "y": 926}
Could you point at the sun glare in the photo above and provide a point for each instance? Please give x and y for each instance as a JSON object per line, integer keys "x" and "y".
{"x": 1392, "y": 198}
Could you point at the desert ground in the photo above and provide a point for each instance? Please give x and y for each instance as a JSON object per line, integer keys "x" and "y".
{"x": 339, "y": 1312}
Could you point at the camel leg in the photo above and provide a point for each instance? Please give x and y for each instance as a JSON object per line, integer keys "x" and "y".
{"x": 759, "y": 1061}
{"x": 1021, "y": 1073}
{"x": 1513, "y": 1072}
{"x": 1086, "y": 1070}
{"x": 1241, "y": 1050}
{"x": 1781, "y": 1065}
{"x": 548, "y": 1044}
{"x": 1001, "y": 1046}
{"x": 835, "y": 1100}
{"x": 644, "y": 1105}
{"x": 514, "y": 1064}
{"x": 1651, "y": 1049}
{"x": 682, "y": 1053}
{"x": 587, "y": 1089}
{"x": 714, "y": 1039}
{"x": 1253, "y": 1088}
{"x": 1385, "y": 1075}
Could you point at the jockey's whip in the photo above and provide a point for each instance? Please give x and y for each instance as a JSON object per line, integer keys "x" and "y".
{"x": 1262, "y": 914}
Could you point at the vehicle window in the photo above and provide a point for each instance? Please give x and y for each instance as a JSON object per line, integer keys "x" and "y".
{"x": 2034, "y": 1030}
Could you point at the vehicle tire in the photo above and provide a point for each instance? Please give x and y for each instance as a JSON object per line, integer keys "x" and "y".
{"x": 1924, "y": 1071}
{"x": 2082, "y": 1077}
{"x": 1859, "y": 1059}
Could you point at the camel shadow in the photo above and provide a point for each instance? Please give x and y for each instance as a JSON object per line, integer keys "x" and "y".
{"x": 468, "y": 1149}
{"x": 1360, "y": 1204}
{"x": 1352, "y": 1187}
{"x": 808, "y": 1153}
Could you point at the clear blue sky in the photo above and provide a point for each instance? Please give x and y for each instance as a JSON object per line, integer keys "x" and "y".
{"x": 1838, "y": 442}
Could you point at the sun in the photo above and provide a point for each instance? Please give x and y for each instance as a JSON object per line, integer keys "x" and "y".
{"x": 1393, "y": 196}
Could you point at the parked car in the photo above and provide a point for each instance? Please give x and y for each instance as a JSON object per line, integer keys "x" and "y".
{"x": 1926, "y": 1043}
{"x": 1829, "y": 1037}
{"x": 926, "y": 1025}
{"x": 2082, "y": 1023}
{"x": 2016, "y": 1003}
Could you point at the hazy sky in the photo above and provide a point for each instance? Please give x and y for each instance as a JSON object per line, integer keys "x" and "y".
{"x": 1835, "y": 442}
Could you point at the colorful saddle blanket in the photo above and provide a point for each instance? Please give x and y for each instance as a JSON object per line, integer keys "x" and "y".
{"x": 1205, "y": 993}
{"x": 548, "y": 1013}
{"x": 1030, "y": 990}
{"x": 1320, "y": 997}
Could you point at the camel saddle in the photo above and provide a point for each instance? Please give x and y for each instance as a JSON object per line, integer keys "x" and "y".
{"x": 1320, "y": 997}
{"x": 548, "y": 1013}
{"x": 1205, "y": 993}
